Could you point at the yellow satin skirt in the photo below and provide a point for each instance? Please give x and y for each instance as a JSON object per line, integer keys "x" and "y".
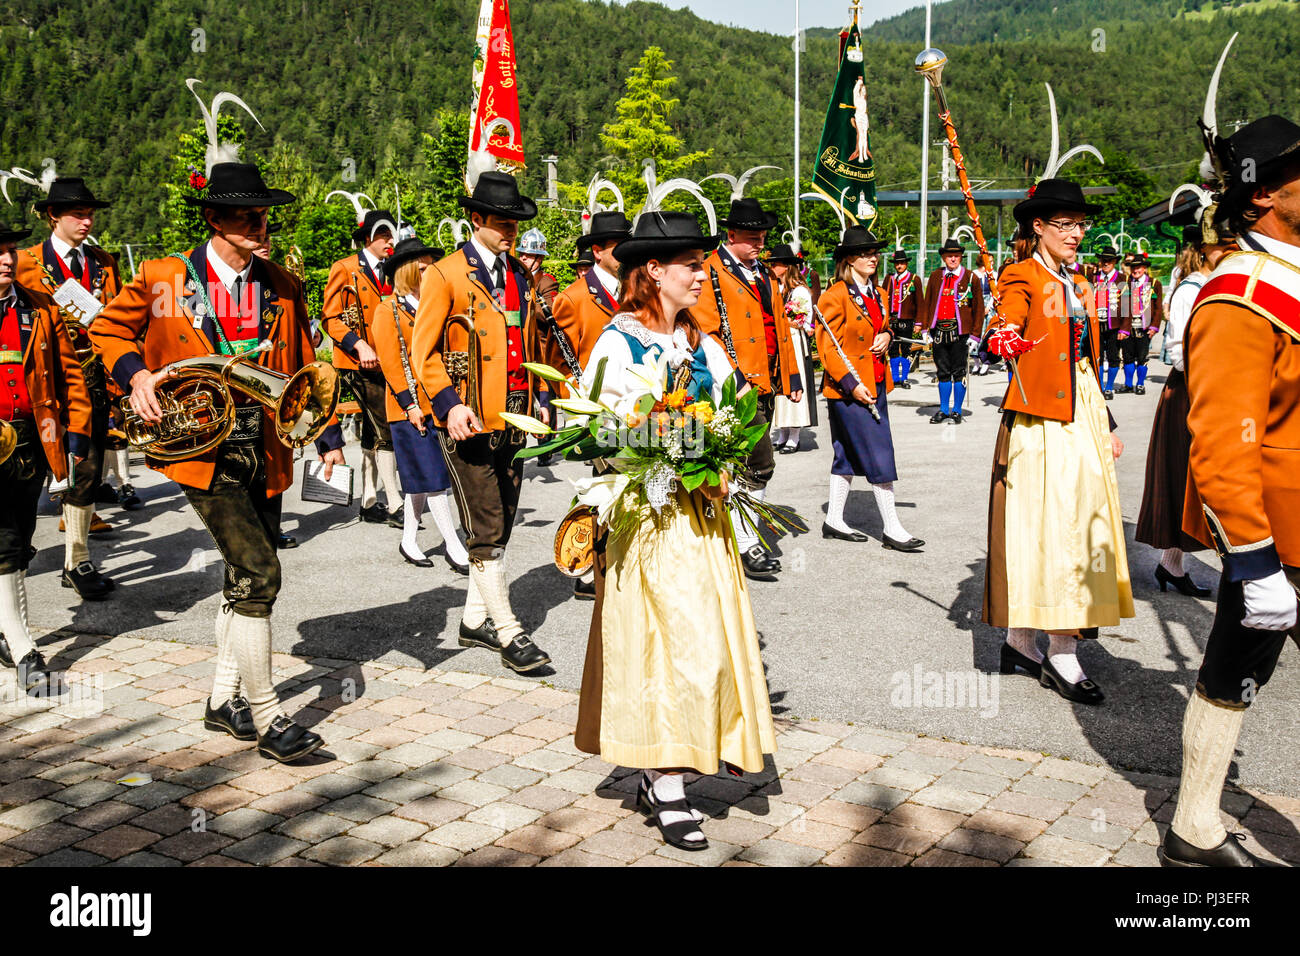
{"x": 683, "y": 682}
{"x": 1066, "y": 562}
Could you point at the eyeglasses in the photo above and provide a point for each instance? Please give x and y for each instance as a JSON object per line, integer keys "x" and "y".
{"x": 1068, "y": 226}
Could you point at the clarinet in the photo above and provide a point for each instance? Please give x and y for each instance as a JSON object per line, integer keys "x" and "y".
{"x": 406, "y": 363}
{"x": 561, "y": 338}
{"x": 723, "y": 324}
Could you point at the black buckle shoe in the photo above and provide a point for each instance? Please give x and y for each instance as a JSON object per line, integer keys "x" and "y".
{"x": 395, "y": 519}
{"x": 1182, "y": 585}
{"x": 1139, "y": 389}
{"x": 34, "y": 676}
{"x": 485, "y": 635}
{"x": 584, "y": 590}
{"x": 6, "y": 655}
{"x": 956, "y": 418}
{"x": 938, "y": 417}
{"x": 905, "y": 383}
{"x": 1175, "y": 851}
{"x": 286, "y": 741}
{"x": 286, "y": 542}
{"x": 1012, "y": 658}
{"x": 375, "y": 514}
{"x": 418, "y": 562}
{"x": 234, "y": 717}
{"x": 127, "y": 498}
{"x": 759, "y": 565}
{"x": 88, "y": 582}
{"x": 1084, "y": 692}
{"x": 855, "y": 536}
{"x": 522, "y": 655}
{"x": 105, "y": 494}
{"x": 893, "y": 544}
{"x": 1108, "y": 395}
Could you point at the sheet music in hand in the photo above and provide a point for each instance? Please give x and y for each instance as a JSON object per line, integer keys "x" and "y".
{"x": 336, "y": 491}
{"x": 77, "y": 301}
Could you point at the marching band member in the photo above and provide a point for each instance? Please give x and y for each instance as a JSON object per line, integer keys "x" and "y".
{"x": 1160, "y": 518}
{"x": 759, "y": 332}
{"x": 69, "y": 210}
{"x": 790, "y": 417}
{"x": 220, "y": 298}
{"x": 903, "y": 294}
{"x": 45, "y": 409}
{"x": 420, "y": 461}
{"x": 1243, "y": 492}
{"x": 485, "y": 361}
{"x": 1108, "y": 286}
{"x": 673, "y": 682}
{"x": 585, "y": 307}
{"x": 532, "y": 253}
{"x": 1146, "y": 314}
{"x": 862, "y": 441}
{"x": 583, "y": 264}
{"x": 1056, "y": 558}
{"x": 353, "y": 291}
{"x": 954, "y": 309}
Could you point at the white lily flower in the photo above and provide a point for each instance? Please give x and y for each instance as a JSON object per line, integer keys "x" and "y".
{"x": 527, "y": 423}
{"x": 601, "y": 492}
{"x": 650, "y": 376}
{"x": 578, "y": 406}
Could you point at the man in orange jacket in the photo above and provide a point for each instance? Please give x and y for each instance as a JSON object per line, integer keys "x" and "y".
{"x": 1243, "y": 491}
{"x": 222, "y": 299}
{"x": 757, "y": 338}
{"x": 45, "y": 409}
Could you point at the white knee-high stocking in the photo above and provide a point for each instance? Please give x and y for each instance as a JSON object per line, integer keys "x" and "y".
{"x": 251, "y": 639}
{"x": 888, "y": 513}
{"x": 13, "y": 617}
{"x": 1061, "y": 652}
{"x": 411, "y": 511}
{"x": 225, "y": 679}
{"x": 76, "y": 541}
{"x": 1024, "y": 640}
{"x": 386, "y": 463}
{"x": 495, "y": 593}
{"x": 475, "y": 610}
{"x": 839, "y": 496}
{"x": 119, "y": 463}
{"x": 440, "y": 508}
{"x": 1209, "y": 736}
{"x": 369, "y": 479}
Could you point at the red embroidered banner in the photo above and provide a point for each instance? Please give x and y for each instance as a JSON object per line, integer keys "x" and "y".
{"x": 496, "y": 92}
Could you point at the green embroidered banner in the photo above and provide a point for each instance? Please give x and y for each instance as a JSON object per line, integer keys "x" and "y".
{"x": 845, "y": 172}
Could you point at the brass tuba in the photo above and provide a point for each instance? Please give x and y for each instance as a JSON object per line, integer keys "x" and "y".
{"x": 199, "y": 410}
{"x": 8, "y": 440}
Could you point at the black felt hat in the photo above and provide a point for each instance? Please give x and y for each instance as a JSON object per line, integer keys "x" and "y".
{"x": 784, "y": 253}
{"x": 610, "y": 226}
{"x": 1051, "y": 196}
{"x": 238, "y": 184}
{"x": 585, "y": 258}
{"x": 498, "y": 194}
{"x": 70, "y": 191}
{"x": 857, "y": 239}
{"x": 952, "y": 245}
{"x": 1141, "y": 259}
{"x": 1260, "y": 148}
{"x": 662, "y": 235}
{"x": 12, "y": 235}
{"x": 373, "y": 217}
{"x": 1107, "y": 252}
{"x": 406, "y": 250}
{"x": 900, "y": 255}
{"x": 746, "y": 213}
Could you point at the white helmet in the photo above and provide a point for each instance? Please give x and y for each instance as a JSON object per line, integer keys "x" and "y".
{"x": 532, "y": 243}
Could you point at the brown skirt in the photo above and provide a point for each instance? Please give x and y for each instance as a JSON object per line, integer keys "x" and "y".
{"x": 586, "y": 737}
{"x": 1160, "y": 520}
{"x": 995, "y": 567}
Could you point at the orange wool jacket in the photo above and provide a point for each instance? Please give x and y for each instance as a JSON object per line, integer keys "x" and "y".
{"x": 55, "y": 382}
{"x": 339, "y": 296}
{"x": 1243, "y": 490}
{"x": 152, "y": 322}
{"x": 391, "y": 321}
{"x": 855, "y": 329}
{"x": 582, "y": 311}
{"x": 460, "y": 285}
{"x": 1034, "y": 304}
{"x": 745, "y": 316}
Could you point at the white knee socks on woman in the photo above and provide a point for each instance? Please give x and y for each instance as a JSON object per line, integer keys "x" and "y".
{"x": 411, "y": 511}
{"x": 1024, "y": 640}
{"x": 440, "y": 508}
{"x": 839, "y": 494}
{"x": 1061, "y": 653}
{"x": 888, "y": 514}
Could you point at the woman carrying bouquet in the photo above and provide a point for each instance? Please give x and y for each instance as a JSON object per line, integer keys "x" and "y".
{"x": 856, "y": 390}
{"x": 673, "y": 681}
{"x": 1056, "y": 558}
{"x": 789, "y": 417}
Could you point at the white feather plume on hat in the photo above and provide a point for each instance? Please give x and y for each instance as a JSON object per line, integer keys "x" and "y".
{"x": 219, "y": 152}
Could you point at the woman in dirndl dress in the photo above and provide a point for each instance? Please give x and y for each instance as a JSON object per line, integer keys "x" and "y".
{"x": 862, "y": 442}
{"x": 673, "y": 681}
{"x": 789, "y": 418}
{"x": 420, "y": 463}
{"x": 1160, "y": 520}
{"x": 1056, "y": 553}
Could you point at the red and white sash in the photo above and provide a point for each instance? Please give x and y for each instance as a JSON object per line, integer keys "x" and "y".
{"x": 1260, "y": 282}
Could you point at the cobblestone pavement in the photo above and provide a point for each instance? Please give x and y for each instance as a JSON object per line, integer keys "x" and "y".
{"x": 434, "y": 767}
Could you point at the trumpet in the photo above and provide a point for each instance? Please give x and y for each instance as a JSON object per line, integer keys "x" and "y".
{"x": 352, "y": 316}
{"x": 199, "y": 410}
{"x": 8, "y": 440}
{"x": 464, "y": 366}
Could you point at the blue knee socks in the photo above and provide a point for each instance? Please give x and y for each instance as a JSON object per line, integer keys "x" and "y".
{"x": 945, "y": 397}
{"x": 1128, "y": 374}
{"x": 1111, "y": 372}
{"x": 1142, "y": 374}
{"x": 907, "y": 366}
{"x": 958, "y": 396}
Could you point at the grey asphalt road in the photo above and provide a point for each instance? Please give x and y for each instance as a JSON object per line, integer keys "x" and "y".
{"x": 851, "y": 631}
